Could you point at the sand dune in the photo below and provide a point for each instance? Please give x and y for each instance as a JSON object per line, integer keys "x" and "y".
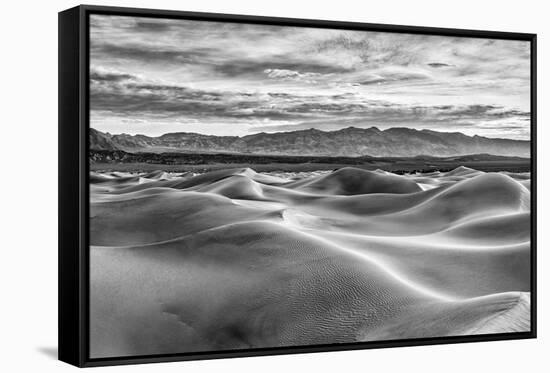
{"x": 238, "y": 259}
{"x": 352, "y": 181}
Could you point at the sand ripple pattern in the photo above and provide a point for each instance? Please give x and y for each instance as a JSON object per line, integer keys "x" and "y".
{"x": 235, "y": 259}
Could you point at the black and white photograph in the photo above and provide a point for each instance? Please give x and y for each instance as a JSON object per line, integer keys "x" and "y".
{"x": 259, "y": 186}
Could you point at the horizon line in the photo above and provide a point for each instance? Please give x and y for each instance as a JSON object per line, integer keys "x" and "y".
{"x": 313, "y": 129}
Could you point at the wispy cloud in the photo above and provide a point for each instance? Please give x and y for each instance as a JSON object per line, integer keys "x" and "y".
{"x": 438, "y": 65}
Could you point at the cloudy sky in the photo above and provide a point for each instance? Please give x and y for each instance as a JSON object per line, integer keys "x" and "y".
{"x": 154, "y": 76}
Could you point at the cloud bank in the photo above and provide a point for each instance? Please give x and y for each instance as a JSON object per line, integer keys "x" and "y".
{"x": 154, "y": 76}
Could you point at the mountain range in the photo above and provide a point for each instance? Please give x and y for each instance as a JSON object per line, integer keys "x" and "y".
{"x": 350, "y": 142}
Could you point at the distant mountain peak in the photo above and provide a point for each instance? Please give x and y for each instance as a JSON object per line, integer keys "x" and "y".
{"x": 311, "y": 129}
{"x": 350, "y": 141}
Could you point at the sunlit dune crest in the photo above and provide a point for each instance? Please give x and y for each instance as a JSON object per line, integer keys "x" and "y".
{"x": 236, "y": 259}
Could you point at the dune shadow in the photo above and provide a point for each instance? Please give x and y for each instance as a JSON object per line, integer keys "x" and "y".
{"x": 49, "y": 351}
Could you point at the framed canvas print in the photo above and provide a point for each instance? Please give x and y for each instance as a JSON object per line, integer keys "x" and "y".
{"x": 238, "y": 186}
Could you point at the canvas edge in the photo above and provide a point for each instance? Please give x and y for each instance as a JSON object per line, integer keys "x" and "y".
{"x": 70, "y": 179}
{"x": 73, "y": 106}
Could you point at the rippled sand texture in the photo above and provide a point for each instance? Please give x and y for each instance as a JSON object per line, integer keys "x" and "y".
{"x": 235, "y": 259}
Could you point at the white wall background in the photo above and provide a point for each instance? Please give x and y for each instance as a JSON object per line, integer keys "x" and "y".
{"x": 28, "y": 195}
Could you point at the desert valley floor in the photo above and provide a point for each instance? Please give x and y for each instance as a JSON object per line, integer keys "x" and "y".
{"x": 235, "y": 259}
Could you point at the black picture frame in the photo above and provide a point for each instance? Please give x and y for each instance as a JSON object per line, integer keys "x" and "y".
{"x": 74, "y": 190}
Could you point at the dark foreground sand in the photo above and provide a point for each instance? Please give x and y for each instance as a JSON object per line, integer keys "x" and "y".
{"x": 235, "y": 259}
